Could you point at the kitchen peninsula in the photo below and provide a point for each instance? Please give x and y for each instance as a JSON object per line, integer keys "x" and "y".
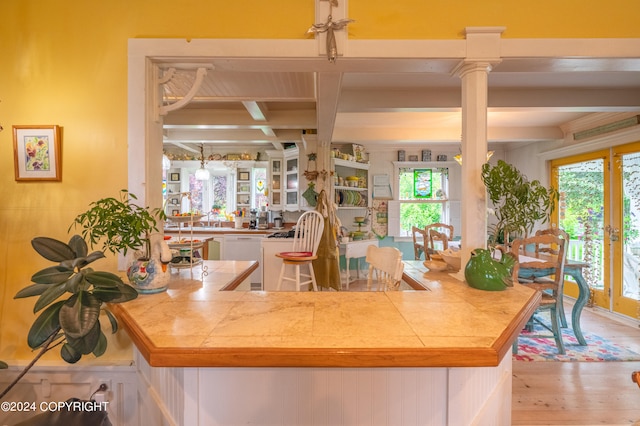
{"x": 440, "y": 356}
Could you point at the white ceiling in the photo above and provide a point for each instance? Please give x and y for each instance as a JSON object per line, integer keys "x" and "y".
{"x": 260, "y": 104}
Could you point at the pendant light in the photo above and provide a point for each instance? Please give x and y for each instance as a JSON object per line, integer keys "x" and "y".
{"x": 202, "y": 173}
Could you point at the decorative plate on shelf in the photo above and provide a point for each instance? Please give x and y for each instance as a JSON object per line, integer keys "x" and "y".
{"x": 183, "y": 219}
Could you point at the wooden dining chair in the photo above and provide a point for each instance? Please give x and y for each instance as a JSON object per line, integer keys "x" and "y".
{"x": 420, "y": 240}
{"x": 439, "y": 232}
{"x": 386, "y": 264}
{"x": 554, "y": 251}
{"x": 434, "y": 238}
{"x": 442, "y": 228}
{"x": 305, "y": 247}
{"x": 545, "y": 275}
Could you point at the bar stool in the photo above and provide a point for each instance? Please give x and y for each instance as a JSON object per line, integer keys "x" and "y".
{"x": 305, "y": 247}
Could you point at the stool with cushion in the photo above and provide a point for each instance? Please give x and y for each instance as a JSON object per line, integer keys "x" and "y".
{"x": 305, "y": 247}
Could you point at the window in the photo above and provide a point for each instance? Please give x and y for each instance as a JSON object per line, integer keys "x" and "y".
{"x": 422, "y": 199}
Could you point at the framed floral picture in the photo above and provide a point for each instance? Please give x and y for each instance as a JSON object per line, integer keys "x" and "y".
{"x": 37, "y": 155}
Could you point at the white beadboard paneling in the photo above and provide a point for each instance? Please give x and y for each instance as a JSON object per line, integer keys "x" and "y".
{"x": 327, "y": 396}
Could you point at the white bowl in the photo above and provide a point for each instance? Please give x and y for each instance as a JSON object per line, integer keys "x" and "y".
{"x": 434, "y": 265}
{"x": 452, "y": 258}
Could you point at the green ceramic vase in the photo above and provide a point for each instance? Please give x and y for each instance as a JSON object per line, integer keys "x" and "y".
{"x": 485, "y": 273}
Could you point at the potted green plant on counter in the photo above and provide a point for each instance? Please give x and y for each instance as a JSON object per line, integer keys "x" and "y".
{"x": 122, "y": 225}
{"x": 71, "y": 323}
{"x": 518, "y": 203}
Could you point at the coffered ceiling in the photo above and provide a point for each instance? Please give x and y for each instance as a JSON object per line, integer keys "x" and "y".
{"x": 262, "y": 103}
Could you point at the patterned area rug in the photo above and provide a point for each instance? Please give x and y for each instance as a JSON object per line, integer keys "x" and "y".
{"x": 544, "y": 349}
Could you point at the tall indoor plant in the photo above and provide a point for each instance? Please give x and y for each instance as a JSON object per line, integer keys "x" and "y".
{"x": 121, "y": 225}
{"x": 517, "y": 202}
{"x": 72, "y": 323}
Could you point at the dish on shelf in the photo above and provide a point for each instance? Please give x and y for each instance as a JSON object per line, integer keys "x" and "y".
{"x": 185, "y": 244}
{"x": 183, "y": 219}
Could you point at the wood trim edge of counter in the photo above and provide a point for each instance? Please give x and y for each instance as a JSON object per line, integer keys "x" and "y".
{"x": 240, "y": 278}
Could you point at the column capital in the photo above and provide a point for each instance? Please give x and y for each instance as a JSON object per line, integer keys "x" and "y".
{"x": 468, "y": 66}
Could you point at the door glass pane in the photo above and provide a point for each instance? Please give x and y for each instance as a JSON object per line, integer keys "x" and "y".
{"x": 581, "y": 215}
{"x": 631, "y": 225}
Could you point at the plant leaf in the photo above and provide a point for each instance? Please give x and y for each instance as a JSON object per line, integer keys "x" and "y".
{"x": 126, "y": 293}
{"x": 52, "y": 275}
{"x": 101, "y": 346}
{"x": 3, "y": 365}
{"x": 103, "y": 279}
{"x": 69, "y": 354}
{"x": 79, "y": 314}
{"x": 79, "y": 246}
{"x": 73, "y": 285}
{"x": 49, "y": 295}
{"x": 31, "y": 290}
{"x": 45, "y": 325}
{"x": 112, "y": 320}
{"x": 118, "y": 294}
{"x": 87, "y": 343}
{"x": 53, "y": 250}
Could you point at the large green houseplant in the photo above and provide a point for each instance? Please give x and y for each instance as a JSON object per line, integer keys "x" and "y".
{"x": 120, "y": 224}
{"x": 71, "y": 296}
{"x": 518, "y": 203}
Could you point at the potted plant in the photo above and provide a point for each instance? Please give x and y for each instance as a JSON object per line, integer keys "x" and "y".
{"x": 518, "y": 203}
{"x": 70, "y": 323}
{"x": 122, "y": 225}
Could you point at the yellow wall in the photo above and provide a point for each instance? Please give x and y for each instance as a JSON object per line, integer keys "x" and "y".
{"x": 64, "y": 62}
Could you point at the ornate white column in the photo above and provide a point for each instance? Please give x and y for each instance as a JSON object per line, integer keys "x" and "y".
{"x": 483, "y": 47}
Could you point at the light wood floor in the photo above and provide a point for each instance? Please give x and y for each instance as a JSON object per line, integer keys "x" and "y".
{"x": 580, "y": 393}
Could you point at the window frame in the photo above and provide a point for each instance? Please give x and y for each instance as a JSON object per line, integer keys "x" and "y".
{"x": 395, "y": 227}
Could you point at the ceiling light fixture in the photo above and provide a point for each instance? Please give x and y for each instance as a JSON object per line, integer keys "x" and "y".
{"x": 202, "y": 173}
{"x": 458, "y": 157}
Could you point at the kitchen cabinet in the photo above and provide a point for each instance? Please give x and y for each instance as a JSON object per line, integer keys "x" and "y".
{"x": 245, "y": 247}
{"x": 275, "y": 177}
{"x": 271, "y": 265}
{"x": 243, "y": 189}
{"x": 284, "y": 176}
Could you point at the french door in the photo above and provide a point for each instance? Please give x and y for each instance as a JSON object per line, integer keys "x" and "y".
{"x": 599, "y": 207}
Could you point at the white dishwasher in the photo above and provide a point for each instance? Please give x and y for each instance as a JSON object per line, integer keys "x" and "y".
{"x": 244, "y": 247}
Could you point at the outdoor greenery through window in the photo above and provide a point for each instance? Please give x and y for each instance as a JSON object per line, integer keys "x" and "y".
{"x": 422, "y": 196}
{"x": 581, "y": 211}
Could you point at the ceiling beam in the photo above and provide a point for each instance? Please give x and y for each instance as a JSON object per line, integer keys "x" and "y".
{"x": 328, "y": 85}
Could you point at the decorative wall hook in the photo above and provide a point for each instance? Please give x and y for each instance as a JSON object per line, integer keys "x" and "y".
{"x": 329, "y": 27}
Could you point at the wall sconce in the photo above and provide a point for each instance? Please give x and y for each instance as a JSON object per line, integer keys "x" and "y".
{"x": 458, "y": 157}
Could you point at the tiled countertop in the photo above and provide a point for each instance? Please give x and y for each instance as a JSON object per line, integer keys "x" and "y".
{"x": 194, "y": 324}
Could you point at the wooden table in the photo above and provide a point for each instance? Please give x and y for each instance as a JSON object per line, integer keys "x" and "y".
{"x": 355, "y": 250}
{"x": 573, "y": 268}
